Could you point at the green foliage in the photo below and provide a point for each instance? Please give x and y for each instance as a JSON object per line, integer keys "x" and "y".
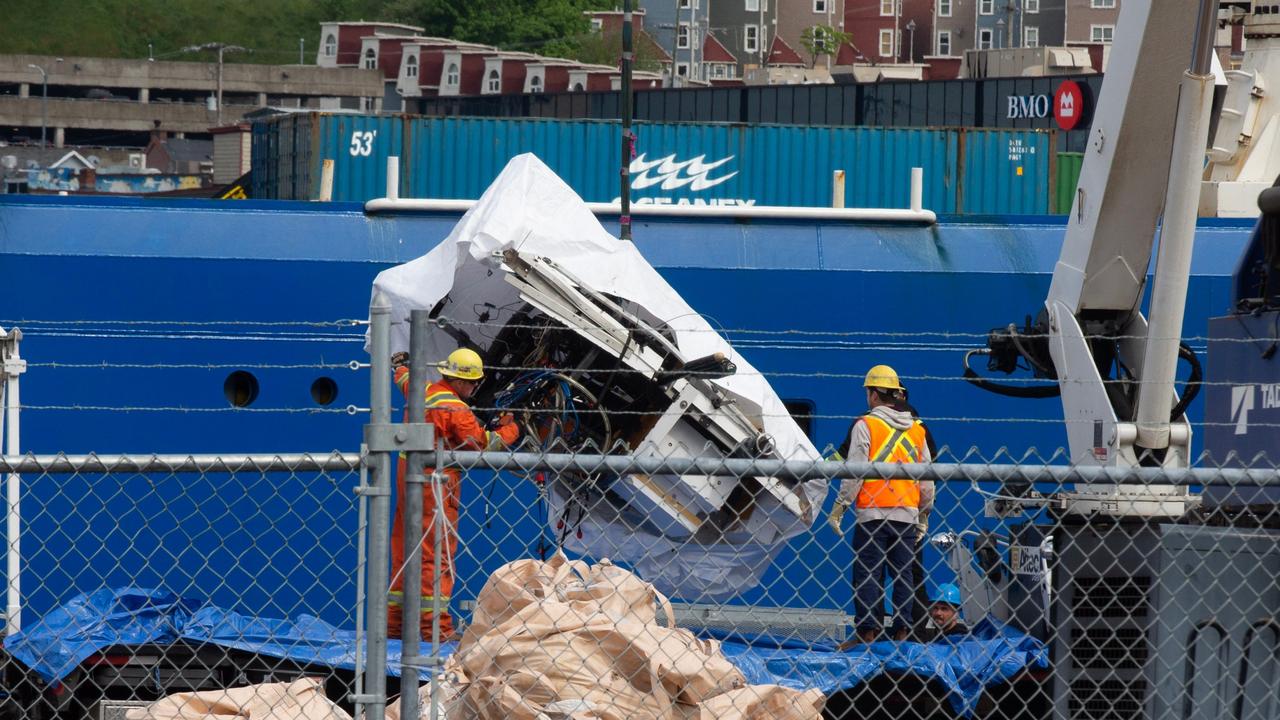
{"x": 543, "y": 26}
{"x": 600, "y": 48}
{"x": 820, "y": 40}
{"x": 122, "y": 28}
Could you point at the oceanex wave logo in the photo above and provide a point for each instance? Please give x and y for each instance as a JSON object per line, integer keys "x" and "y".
{"x": 671, "y": 173}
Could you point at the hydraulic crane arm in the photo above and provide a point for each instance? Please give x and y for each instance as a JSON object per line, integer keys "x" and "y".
{"x": 1142, "y": 169}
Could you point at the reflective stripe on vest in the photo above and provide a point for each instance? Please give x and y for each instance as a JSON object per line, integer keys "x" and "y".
{"x": 395, "y": 597}
{"x": 889, "y": 444}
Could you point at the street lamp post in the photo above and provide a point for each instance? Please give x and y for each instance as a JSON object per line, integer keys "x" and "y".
{"x": 44, "y": 102}
{"x": 221, "y": 48}
{"x": 1000, "y": 38}
{"x": 911, "y": 46}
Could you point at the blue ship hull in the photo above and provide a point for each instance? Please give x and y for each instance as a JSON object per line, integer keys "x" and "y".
{"x": 257, "y": 286}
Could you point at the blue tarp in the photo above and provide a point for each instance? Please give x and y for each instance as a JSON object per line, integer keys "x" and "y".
{"x": 90, "y": 623}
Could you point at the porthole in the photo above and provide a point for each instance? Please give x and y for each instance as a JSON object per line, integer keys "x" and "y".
{"x": 240, "y": 388}
{"x": 324, "y": 391}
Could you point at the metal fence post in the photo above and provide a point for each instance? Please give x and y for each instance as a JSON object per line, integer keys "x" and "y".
{"x": 411, "y": 634}
{"x": 379, "y": 512}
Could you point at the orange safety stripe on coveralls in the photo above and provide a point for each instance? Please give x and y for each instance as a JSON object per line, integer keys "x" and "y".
{"x": 889, "y": 444}
{"x": 456, "y": 428}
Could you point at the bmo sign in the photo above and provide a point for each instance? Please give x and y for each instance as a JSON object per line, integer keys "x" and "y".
{"x": 1028, "y": 106}
{"x": 1065, "y": 106}
{"x": 1068, "y": 105}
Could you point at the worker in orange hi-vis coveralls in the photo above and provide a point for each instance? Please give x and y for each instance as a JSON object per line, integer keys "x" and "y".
{"x": 456, "y": 428}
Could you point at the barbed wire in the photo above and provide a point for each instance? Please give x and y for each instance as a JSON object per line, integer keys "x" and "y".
{"x": 354, "y": 410}
{"x": 106, "y": 365}
{"x": 347, "y": 410}
{"x": 581, "y": 369}
{"x": 344, "y": 322}
{"x": 38, "y": 325}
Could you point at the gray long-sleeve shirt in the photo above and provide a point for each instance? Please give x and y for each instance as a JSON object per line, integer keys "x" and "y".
{"x": 860, "y": 450}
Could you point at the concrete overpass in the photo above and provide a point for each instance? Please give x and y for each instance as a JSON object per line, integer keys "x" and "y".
{"x": 107, "y": 94}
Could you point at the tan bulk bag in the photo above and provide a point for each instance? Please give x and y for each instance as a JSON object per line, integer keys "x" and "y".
{"x": 299, "y": 700}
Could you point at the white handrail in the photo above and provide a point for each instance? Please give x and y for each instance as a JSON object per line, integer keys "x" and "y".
{"x": 915, "y": 214}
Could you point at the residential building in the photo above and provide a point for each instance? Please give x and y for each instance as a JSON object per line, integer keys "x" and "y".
{"x": 609, "y": 25}
{"x": 954, "y": 22}
{"x": 720, "y": 66}
{"x": 746, "y": 28}
{"x": 796, "y": 16}
{"x": 179, "y": 156}
{"x": 888, "y": 31}
{"x": 679, "y": 28}
{"x": 1004, "y": 24}
{"x": 342, "y": 44}
{"x": 95, "y": 100}
{"x": 1091, "y": 21}
{"x": 423, "y": 72}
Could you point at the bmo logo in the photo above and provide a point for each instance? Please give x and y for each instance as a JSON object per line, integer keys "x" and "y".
{"x": 1028, "y": 106}
{"x": 1068, "y": 105}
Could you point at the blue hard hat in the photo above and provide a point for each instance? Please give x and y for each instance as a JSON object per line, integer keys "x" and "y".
{"x": 947, "y": 593}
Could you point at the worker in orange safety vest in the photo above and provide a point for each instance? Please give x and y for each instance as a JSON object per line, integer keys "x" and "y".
{"x": 889, "y": 512}
{"x": 456, "y": 428}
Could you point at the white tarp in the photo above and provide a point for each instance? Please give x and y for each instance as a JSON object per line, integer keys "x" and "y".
{"x": 530, "y": 209}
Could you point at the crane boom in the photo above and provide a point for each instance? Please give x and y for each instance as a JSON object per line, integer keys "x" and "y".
{"x": 1142, "y": 170}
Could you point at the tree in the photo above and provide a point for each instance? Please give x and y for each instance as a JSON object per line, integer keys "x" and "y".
{"x": 822, "y": 40}
{"x": 605, "y": 48}
{"x": 529, "y": 25}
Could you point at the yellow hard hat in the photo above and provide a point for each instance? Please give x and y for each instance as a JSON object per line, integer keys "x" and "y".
{"x": 883, "y": 377}
{"x": 464, "y": 364}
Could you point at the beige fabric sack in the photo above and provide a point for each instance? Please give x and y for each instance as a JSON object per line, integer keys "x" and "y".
{"x": 299, "y": 700}
{"x": 561, "y": 640}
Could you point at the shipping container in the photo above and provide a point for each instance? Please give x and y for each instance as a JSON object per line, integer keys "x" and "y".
{"x": 1022, "y": 102}
{"x": 678, "y": 164}
{"x": 1068, "y": 176}
{"x": 289, "y": 151}
{"x": 1005, "y": 172}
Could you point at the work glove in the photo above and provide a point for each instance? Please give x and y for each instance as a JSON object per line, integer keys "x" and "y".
{"x": 836, "y": 516}
{"x": 399, "y": 359}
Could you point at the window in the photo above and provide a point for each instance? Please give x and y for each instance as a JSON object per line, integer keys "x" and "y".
{"x": 577, "y": 87}
{"x": 1031, "y": 6}
{"x": 1102, "y": 4}
{"x": 1101, "y": 33}
{"x": 802, "y": 411}
{"x": 597, "y": 24}
{"x": 451, "y": 77}
{"x": 682, "y": 69}
{"x": 330, "y": 46}
{"x": 944, "y": 8}
{"x": 411, "y": 67}
{"x": 984, "y": 39}
{"x": 986, "y": 7}
{"x": 820, "y": 6}
{"x": 370, "y": 59}
{"x": 751, "y": 38}
{"x": 944, "y": 43}
{"x": 535, "y": 84}
{"x": 820, "y": 41}
{"x": 718, "y": 70}
{"x": 1031, "y": 36}
{"x": 682, "y": 36}
{"x": 495, "y": 81}
{"x": 686, "y": 4}
{"x": 886, "y": 7}
{"x": 886, "y": 43}
{"x": 752, "y": 6}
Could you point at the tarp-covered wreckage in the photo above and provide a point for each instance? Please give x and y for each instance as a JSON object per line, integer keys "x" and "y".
{"x": 591, "y": 348}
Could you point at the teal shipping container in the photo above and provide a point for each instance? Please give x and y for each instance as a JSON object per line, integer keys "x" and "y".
{"x": 965, "y": 170}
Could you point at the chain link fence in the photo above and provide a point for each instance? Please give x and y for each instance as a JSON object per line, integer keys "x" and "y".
{"x": 578, "y": 574}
